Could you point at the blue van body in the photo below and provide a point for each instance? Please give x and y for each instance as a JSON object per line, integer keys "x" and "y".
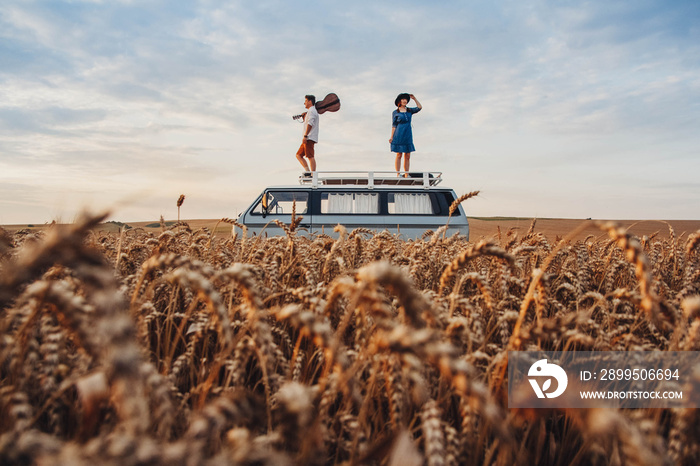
{"x": 407, "y": 206}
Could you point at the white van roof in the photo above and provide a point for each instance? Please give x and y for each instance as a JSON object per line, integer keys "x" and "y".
{"x": 372, "y": 178}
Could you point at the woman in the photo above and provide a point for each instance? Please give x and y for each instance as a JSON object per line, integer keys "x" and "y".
{"x": 401, "y": 135}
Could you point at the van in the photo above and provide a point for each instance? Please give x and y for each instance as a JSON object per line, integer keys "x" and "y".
{"x": 407, "y": 206}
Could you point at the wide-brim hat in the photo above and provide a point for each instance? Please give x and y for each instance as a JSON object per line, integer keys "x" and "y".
{"x": 402, "y": 96}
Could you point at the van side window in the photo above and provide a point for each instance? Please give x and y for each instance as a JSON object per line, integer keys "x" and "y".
{"x": 282, "y": 202}
{"x": 410, "y": 203}
{"x": 349, "y": 203}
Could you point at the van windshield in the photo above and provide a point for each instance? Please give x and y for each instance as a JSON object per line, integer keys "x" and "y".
{"x": 283, "y": 202}
{"x": 349, "y": 203}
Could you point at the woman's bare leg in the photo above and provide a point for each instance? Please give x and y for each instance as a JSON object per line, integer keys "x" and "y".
{"x": 397, "y": 163}
{"x": 406, "y": 162}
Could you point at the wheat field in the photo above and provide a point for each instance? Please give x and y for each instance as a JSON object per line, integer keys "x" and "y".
{"x": 182, "y": 347}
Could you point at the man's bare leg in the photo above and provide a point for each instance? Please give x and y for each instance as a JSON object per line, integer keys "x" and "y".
{"x": 303, "y": 163}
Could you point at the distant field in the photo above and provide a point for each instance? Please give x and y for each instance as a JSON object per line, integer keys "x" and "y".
{"x": 480, "y": 227}
{"x": 557, "y": 227}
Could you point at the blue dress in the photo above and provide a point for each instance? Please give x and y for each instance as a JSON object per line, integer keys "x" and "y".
{"x": 403, "y": 135}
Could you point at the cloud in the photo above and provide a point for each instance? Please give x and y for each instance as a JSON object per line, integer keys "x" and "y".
{"x": 49, "y": 120}
{"x": 198, "y": 95}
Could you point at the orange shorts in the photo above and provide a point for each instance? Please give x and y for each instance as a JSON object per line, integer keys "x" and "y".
{"x": 306, "y": 149}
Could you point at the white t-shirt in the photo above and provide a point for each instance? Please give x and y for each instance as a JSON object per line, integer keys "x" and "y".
{"x": 311, "y": 119}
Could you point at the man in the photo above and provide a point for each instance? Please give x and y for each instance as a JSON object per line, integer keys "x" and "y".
{"x": 310, "y": 135}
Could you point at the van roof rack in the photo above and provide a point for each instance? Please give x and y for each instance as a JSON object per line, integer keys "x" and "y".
{"x": 372, "y": 178}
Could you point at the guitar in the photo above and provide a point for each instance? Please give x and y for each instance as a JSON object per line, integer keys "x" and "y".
{"x": 330, "y": 103}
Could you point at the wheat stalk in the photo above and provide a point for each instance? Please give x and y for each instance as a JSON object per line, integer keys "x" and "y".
{"x": 309, "y": 350}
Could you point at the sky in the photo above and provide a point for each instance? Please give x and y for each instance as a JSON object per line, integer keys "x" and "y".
{"x": 549, "y": 108}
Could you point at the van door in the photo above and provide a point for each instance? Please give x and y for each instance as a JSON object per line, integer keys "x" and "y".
{"x": 352, "y": 209}
{"x": 412, "y": 213}
{"x": 415, "y": 212}
{"x": 279, "y": 205}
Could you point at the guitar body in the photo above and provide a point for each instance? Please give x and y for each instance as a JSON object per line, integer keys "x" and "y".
{"x": 330, "y": 103}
